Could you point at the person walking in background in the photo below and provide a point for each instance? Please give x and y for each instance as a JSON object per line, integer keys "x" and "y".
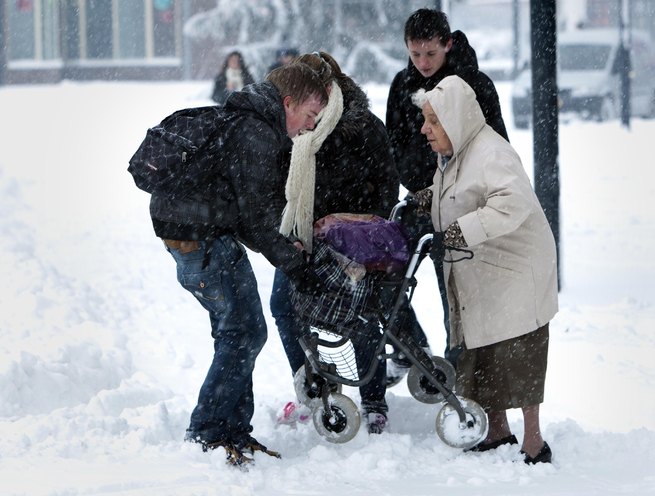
{"x": 283, "y": 57}
{"x": 204, "y": 233}
{"x": 502, "y": 299}
{"x": 354, "y": 173}
{"x": 434, "y": 53}
{"x": 233, "y": 76}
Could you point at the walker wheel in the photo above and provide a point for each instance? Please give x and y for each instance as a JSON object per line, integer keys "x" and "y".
{"x": 304, "y": 392}
{"x": 341, "y": 423}
{"x": 462, "y": 435}
{"x": 423, "y": 390}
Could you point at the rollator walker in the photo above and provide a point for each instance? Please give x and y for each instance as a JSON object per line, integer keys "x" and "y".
{"x": 330, "y": 360}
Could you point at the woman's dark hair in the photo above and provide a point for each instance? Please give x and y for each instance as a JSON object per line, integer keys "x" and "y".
{"x": 426, "y": 24}
{"x": 324, "y": 64}
{"x": 242, "y": 63}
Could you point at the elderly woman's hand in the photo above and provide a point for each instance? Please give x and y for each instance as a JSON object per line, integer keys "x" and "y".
{"x": 423, "y": 200}
{"x": 453, "y": 236}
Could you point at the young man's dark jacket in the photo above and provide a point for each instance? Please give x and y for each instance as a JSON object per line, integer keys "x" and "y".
{"x": 246, "y": 197}
{"x": 415, "y": 160}
{"x": 355, "y": 171}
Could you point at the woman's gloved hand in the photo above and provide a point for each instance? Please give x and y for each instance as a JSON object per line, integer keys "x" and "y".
{"x": 423, "y": 199}
{"x": 305, "y": 280}
{"x": 453, "y": 237}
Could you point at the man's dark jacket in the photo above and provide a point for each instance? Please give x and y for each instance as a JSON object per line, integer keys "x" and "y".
{"x": 415, "y": 160}
{"x": 355, "y": 171}
{"x": 246, "y": 196}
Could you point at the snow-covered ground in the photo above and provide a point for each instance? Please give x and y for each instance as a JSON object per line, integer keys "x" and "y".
{"x": 103, "y": 352}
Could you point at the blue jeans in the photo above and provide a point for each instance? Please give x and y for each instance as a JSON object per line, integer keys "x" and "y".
{"x": 290, "y": 330}
{"x": 227, "y": 289}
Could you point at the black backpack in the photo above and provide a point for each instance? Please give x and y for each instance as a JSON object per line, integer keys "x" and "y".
{"x": 180, "y": 155}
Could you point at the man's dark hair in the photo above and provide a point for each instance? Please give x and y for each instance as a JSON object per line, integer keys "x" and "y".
{"x": 426, "y": 24}
{"x": 299, "y": 81}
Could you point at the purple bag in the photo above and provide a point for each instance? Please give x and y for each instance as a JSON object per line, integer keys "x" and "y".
{"x": 372, "y": 241}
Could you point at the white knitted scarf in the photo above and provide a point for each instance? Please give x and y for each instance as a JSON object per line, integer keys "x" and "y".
{"x": 298, "y": 215}
{"x": 235, "y": 77}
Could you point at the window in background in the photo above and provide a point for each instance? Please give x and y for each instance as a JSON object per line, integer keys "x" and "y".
{"x": 163, "y": 28}
{"x": 71, "y": 19}
{"x": 131, "y": 22}
{"x": 99, "y": 29}
{"x": 33, "y": 30}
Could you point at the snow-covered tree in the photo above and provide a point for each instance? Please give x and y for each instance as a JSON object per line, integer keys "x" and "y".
{"x": 359, "y": 33}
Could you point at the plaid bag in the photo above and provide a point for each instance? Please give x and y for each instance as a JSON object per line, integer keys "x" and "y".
{"x": 345, "y": 300}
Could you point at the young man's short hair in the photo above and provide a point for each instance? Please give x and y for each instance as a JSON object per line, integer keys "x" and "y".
{"x": 299, "y": 81}
{"x": 426, "y": 24}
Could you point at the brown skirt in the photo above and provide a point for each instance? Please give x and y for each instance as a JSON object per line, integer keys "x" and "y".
{"x": 504, "y": 375}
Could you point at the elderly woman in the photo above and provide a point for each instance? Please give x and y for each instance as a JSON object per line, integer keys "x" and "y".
{"x": 502, "y": 299}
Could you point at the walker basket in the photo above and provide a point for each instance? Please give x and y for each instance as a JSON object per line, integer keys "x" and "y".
{"x": 344, "y": 304}
{"x": 333, "y": 353}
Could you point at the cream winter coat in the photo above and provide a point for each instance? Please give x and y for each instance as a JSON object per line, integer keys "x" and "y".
{"x": 509, "y": 287}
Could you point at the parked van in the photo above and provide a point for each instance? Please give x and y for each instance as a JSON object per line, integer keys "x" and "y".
{"x": 588, "y": 77}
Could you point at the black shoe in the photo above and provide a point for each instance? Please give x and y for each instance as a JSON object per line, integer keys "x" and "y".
{"x": 489, "y": 445}
{"x": 544, "y": 456}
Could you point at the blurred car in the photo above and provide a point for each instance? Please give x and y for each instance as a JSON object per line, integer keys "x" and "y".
{"x": 494, "y": 50}
{"x": 588, "y": 77}
{"x": 494, "y": 32}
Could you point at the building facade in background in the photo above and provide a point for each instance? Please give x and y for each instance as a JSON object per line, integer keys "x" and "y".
{"x": 45, "y": 41}
{"x": 50, "y": 40}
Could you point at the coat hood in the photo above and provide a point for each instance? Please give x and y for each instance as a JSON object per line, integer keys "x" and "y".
{"x": 459, "y": 112}
{"x": 262, "y": 99}
{"x": 462, "y": 55}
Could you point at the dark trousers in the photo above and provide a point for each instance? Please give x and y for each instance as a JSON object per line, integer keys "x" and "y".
{"x": 227, "y": 289}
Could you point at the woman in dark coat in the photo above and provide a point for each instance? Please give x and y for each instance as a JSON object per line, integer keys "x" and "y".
{"x": 234, "y": 75}
{"x": 355, "y": 173}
